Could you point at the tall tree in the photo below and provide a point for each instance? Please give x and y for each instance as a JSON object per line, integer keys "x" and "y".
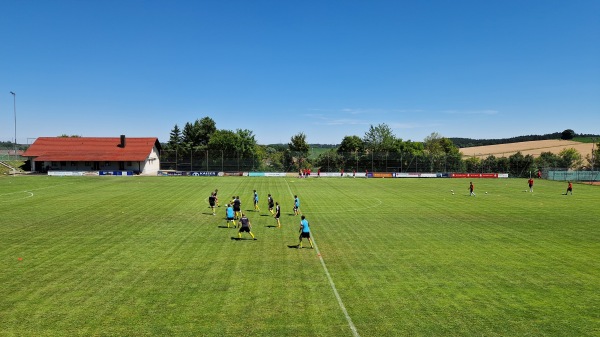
{"x": 351, "y": 144}
{"x": 298, "y": 144}
{"x": 246, "y": 144}
{"x": 174, "y": 137}
{"x": 205, "y": 127}
{"x": 223, "y": 140}
{"x": 567, "y": 134}
{"x": 380, "y": 138}
{"x": 297, "y": 151}
{"x": 570, "y": 158}
{"x": 189, "y": 137}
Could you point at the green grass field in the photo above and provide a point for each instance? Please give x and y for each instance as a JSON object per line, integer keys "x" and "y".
{"x": 143, "y": 256}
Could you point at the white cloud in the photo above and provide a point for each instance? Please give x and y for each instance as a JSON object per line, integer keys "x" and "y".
{"x": 472, "y": 112}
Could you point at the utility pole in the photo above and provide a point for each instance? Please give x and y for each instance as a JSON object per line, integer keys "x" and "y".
{"x": 15, "y": 112}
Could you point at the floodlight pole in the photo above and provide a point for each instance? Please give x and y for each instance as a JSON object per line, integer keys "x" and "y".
{"x": 593, "y": 143}
{"x": 15, "y": 112}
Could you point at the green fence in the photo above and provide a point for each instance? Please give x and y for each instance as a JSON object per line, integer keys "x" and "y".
{"x": 564, "y": 175}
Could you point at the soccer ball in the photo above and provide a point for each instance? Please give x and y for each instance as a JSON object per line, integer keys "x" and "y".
{"x": 485, "y": 192}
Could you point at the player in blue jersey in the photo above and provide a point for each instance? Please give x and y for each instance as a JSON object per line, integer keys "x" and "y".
{"x": 256, "y": 208}
{"x": 304, "y": 232}
{"x": 296, "y": 205}
{"x": 230, "y": 215}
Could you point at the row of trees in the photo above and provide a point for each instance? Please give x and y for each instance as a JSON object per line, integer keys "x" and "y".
{"x": 202, "y": 146}
{"x": 567, "y": 134}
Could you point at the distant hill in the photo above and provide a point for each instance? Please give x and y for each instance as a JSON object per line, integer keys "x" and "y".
{"x": 469, "y": 142}
{"x": 533, "y": 147}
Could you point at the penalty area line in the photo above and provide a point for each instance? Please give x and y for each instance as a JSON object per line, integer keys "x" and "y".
{"x": 331, "y": 283}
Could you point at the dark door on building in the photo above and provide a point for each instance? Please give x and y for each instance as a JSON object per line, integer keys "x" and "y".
{"x": 122, "y": 165}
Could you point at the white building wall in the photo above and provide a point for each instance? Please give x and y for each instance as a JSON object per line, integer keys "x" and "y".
{"x": 152, "y": 164}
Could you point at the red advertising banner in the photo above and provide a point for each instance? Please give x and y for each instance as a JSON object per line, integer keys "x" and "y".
{"x": 474, "y": 175}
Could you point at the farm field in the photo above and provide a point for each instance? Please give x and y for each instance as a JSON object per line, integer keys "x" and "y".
{"x": 534, "y": 148}
{"x": 144, "y": 256}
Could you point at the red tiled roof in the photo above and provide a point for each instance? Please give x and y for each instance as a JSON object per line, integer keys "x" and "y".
{"x": 91, "y": 149}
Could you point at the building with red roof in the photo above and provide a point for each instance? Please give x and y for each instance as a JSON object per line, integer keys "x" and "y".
{"x": 138, "y": 155}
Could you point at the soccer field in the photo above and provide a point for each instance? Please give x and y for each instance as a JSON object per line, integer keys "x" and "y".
{"x": 144, "y": 256}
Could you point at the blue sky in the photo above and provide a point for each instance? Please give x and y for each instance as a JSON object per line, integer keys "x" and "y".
{"x": 474, "y": 69}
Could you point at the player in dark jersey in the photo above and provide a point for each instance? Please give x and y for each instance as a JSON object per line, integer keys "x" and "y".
{"x": 237, "y": 207}
{"x": 271, "y": 203}
{"x": 211, "y": 202}
{"x": 245, "y": 226}
{"x": 278, "y": 214}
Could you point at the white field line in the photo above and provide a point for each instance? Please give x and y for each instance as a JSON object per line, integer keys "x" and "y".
{"x": 14, "y": 199}
{"x": 335, "y": 292}
{"x": 29, "y": 191}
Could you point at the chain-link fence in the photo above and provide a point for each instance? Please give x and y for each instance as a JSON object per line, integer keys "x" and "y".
{"x": 563, "y": 174}
{"x": 206, "y": 161}
{"x": 333, "y": 161}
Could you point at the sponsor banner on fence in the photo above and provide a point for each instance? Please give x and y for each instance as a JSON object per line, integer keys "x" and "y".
{"x": 267, "y": 174}
{"x": 405, "y": 175}
{"x": 275, "y": 174}
{"x": 115, "y": 173}
{"x": 203, "y": 173}
{"x": 233, "y": 174}
{"x": 189, "y": 173}
{"x": 382, "y": 175}
{"x": 474, "y": 175}
{"x": 65, "y": 173}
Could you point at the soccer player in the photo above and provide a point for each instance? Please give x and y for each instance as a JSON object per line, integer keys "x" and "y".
{"x": 237, "y": 207}
{"x": 230, "y": 215}
{"x": 530, "y": 182}
{"x": 569, "y": 188}
{"x": 277, "y": 214}
{"x": 217, "y": 198}
{"x": 271, "y": 203}
{"x": 296, "y": 205}
{"x": 245, "y": 226}
{"x": 211, "y": 202}
{"x": 471, "y": 189}
{"x": 256, "y": 208}
{"x": 304, "y": 232}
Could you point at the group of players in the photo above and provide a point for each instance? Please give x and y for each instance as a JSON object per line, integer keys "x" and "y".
{"x": 234, "y": 212}
{"x": 529, "y": 182}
